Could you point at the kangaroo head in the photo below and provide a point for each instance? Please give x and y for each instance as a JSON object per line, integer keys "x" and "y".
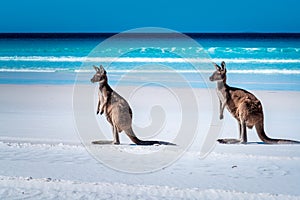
{"x": 220, "y": 73}
{"x": 100, "y": 75}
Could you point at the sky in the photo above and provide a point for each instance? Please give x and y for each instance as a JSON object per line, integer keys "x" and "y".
{"x": 217, "y": 16}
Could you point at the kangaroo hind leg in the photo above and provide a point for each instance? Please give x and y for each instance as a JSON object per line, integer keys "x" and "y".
{"x": 242, "y": 139}
{"x": 229, "y": 141}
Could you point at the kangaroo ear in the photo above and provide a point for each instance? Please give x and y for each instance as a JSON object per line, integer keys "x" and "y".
{"x": 96, "y": 68}
{"x": 102, "y": 69}
{"x": 223, "y": 65}
{"x": 217, "y": 66}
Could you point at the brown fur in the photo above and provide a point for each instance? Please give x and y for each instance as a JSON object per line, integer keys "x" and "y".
{"x": 244, "y": 107}
{"x": 117, "y": 110}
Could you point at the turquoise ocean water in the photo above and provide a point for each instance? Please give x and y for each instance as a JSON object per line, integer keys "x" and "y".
{"x": 254, "y": 61}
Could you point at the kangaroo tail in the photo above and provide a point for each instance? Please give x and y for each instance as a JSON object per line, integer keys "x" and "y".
{"x": 137, "y": 141}
{"x": 263, "y": 136}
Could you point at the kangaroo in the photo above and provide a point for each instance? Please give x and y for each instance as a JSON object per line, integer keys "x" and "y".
{"x": 244, "y": 107}
{"x": 117, "y": 110}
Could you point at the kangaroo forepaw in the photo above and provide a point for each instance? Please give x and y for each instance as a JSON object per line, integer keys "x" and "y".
{"x": 221, "y": 117}
{"x": 101, "y": 112}
{"x": 97, "y": 112}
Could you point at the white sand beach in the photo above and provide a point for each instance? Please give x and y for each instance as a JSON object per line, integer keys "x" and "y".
{"x": 42, "y": 156}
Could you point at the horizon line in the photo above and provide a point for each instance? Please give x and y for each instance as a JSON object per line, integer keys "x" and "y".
{"x": 108, "y": 34}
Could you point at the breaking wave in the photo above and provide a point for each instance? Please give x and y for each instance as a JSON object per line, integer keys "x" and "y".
{"x": 142, "y": 59}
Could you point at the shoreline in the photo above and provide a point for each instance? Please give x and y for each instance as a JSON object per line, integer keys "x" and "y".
{"x": 252, "y": 82}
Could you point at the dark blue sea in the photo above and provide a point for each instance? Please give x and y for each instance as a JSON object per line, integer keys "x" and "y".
{"x": 254, "y": 61}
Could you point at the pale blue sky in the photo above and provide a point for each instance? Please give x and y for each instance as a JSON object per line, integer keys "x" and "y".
{"x": 116, "y": 16}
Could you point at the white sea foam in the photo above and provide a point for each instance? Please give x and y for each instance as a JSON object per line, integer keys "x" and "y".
{"x": 211, "y": 49}
{"x": 143, "y": 59}
{"x": 271, "y": 49}
{"x": 265, "y": 71}
{"x": 28, "y": 70}
{"x": 43, "y": 58}
{"x": 166, "y": 60}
